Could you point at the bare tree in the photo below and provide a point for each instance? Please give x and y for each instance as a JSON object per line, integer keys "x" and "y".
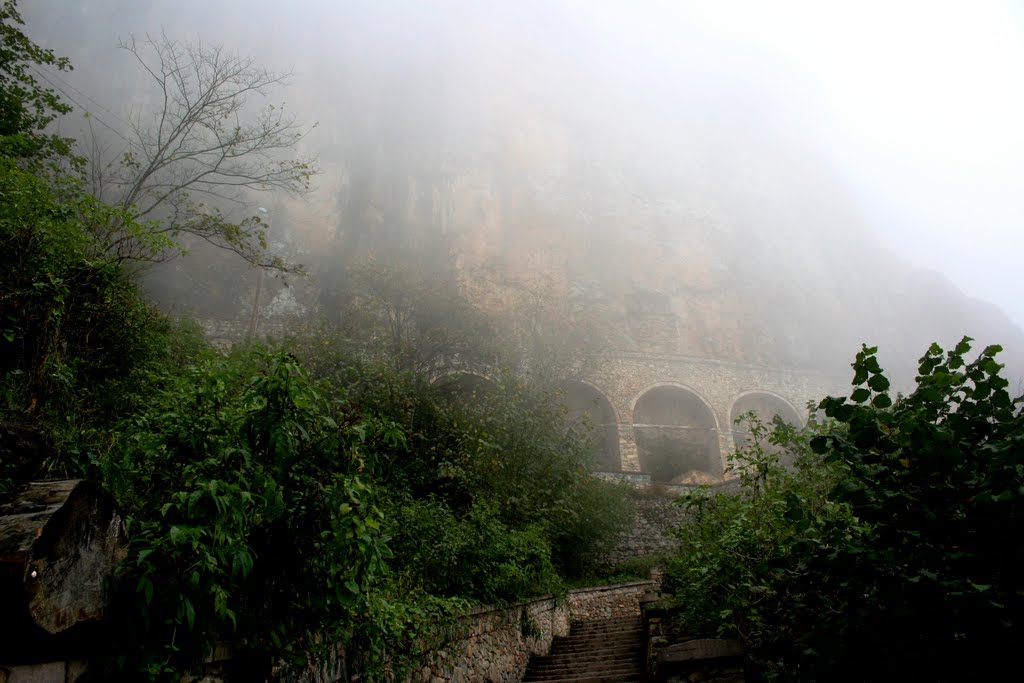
{"x": 192, "y": 157}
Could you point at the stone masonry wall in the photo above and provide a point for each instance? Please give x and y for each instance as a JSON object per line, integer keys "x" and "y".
{"x": 650, "y": 534}
{"x": 492, "y": 645}
{"x": 623, "y": 378}
{"x": 655, "y": 515}
{"x": 495, "y": 644}
{"x": 607, "y": 602}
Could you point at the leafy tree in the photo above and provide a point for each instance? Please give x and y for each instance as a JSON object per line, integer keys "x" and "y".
{"x": 898, "y": 535}
{"x": 938, "y": 479}
{"x": 250, "y": 522}
{"x": 415, "y": 321}
{"x": 743, "y": 569}
{"x": 26, "y": 107}
{"x": 72, "y": 327}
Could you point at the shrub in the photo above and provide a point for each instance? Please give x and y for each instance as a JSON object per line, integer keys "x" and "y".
{"x": 247, "y": 519}
{"x": 899, "y": 534}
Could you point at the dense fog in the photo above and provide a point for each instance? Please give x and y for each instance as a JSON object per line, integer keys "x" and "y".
{"x": 773, "y": 185}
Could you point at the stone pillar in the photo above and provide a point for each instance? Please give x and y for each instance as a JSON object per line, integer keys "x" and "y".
{"x": 726, "y": 445}
{"x": 629, "y": 455}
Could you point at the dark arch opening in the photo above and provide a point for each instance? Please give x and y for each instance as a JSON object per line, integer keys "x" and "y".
{"x": 676, "y": 437}
{"x": 463, "y": 385}
{"x": 590, "y": 410}
{"x": 766, "y": 407}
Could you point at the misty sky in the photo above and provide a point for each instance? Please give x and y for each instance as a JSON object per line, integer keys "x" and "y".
{"x": 921, "y": 104}
{"x": 924, "y": 104}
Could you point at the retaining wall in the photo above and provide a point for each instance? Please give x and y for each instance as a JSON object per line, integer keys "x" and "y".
{"x": 495, "y": 644}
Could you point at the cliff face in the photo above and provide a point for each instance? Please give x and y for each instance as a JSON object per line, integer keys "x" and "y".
{"x": 667, "y": 195}
{"x": 739, "y": 245}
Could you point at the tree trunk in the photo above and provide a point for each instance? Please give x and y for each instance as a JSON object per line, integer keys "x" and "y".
{"x": 60, "y": 542}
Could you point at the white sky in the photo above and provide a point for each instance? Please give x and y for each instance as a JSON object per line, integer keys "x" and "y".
{"x": 924, "y": 106}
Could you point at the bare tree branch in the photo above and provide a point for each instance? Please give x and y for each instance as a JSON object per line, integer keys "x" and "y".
{"x": 204, "y": 137}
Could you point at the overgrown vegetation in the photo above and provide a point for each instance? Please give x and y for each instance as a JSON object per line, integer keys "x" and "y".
{"x": 322, "y": 498}
{"x": 892, "y": 550}
{"x": 325, "y": 498}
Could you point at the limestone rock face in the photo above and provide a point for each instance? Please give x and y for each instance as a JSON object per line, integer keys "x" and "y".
{"x": 677, "y": 203}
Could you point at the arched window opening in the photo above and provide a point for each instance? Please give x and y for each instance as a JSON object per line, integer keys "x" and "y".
{"x": 464, "y": 385}
{"x": 676, "y": 437}
{"x": 765, "y": 406}
{"x": 591, "y": 412}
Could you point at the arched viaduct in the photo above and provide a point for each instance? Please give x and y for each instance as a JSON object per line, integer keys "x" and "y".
{"x": 674, "y": 415}
{"x": 668, "y": 418}
{"x": 672, "y": 419}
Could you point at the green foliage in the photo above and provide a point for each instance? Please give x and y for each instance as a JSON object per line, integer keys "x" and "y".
{"x": 265, "y": 514}
{"x": 898, "y": 533}
{"x": 638, "y": 568}
{"x": 412, "y": 320}
{"x": 475, "y": 555}
{"x": 938, "y": 479}
{"x": 597, "y": 515}
{"x": 283, "y": 512}
{"x": 75, "y": 334}
{"x": 744, "y": 567}
{"x": 76, "y": 338}
{"x": 26, "y": 108}
{"x": 248, "y": 519}
{"x": 506, "y": 458}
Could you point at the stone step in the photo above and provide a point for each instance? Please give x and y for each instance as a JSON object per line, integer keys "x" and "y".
{"x": 621, "y": 633}
{"x": 614, "y": 678}
{"x": 595, "y": 644}
{"x": 602, "y": 637}
{"x": 607, "y": 634}
{"x": 626, "y": 668}
{"x": 596, "y": 651}
{"x": 574, "y": 661}
{"x": 562, "y": 658}
{"x": 606, "y": 627}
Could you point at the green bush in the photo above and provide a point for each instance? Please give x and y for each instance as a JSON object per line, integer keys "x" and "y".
{"x": 585, "y": 536}
{"x": 279, "y": 509}
{"x": 76, "y": 336}
{"x": 894, "y": 547}
{"x": 248, "y": 519}
{"x": 509, "y": 448}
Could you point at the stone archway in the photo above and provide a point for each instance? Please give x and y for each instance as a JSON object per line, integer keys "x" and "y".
{"x": 676, "y": 436}
{"x": 590, "y": 409}
{"x": 765, "y": 406}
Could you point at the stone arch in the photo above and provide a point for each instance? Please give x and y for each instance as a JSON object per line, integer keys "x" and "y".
{"x": 589, "y": 406}
{"x": 676, "y": 435}
{"x": 766, "y": 406}
{"x": 463, "y": 384}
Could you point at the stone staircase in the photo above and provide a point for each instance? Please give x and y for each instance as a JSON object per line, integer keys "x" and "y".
{"x": 604, "y": 651}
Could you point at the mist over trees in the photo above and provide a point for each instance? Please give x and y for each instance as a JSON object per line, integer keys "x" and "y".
{"x": 506, "y": 202}
{"x": 201, "y": 147}
{"x": 277, "y": 499}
